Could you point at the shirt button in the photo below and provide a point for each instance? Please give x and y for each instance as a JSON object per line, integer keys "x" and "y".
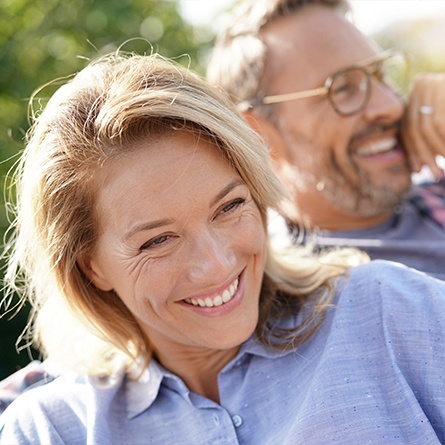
{"x": 237, "y": 420}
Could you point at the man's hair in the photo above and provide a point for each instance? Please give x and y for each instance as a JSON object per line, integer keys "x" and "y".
{"x": 238, "y": 61}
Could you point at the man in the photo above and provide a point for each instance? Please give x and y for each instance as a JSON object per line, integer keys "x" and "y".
{"x": 316, "y": 89}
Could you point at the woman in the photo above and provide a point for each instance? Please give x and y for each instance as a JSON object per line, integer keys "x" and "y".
{"x": 141, "y": 241}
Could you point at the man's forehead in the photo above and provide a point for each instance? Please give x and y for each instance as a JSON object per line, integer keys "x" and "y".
{"x": 306, "y": 39}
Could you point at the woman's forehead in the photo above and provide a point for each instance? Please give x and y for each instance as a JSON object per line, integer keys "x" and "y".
{"x": 157, "y": 176}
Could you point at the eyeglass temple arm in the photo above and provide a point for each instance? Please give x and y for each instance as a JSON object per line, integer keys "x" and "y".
{"x": 293, "y": 96}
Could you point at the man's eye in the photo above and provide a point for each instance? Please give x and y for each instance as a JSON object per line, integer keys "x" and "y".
{"x": 344, "y": 88}
{"x": 232, "y": 205}
{"x": 155, "y": 242}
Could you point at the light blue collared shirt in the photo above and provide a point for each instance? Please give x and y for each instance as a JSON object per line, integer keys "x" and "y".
{"x": 374, "y": 373}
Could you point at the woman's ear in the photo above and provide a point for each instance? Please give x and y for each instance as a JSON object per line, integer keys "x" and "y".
{"x": 270, "y": 135}
{"x": 94, "y": 273}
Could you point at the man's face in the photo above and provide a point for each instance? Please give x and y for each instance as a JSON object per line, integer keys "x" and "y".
{"x": 343, "y": 172}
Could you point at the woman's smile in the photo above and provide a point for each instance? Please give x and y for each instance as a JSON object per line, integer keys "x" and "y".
{"x": 219, "y": 299}
{"x": 219, "y": 303}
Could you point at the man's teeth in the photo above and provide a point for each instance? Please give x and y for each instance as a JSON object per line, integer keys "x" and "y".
{"x": 217, "y": 300}
{"x": 377, "y": 147}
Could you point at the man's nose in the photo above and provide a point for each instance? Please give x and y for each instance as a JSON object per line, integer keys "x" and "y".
{"x": 385, "y": 103}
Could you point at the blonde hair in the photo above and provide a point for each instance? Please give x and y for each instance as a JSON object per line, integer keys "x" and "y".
{"x": 105, "y": 109}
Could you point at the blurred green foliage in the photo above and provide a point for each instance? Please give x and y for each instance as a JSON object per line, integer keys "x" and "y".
{"x": 41, "y": 40}
{"x": 422, "y": 40}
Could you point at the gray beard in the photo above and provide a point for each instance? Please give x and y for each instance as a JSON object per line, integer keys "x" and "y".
{"x": 367, "y": 202}
{"x": 365, "y": 199}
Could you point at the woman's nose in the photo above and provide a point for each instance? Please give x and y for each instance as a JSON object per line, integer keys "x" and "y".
{"x": 211, "y": 258}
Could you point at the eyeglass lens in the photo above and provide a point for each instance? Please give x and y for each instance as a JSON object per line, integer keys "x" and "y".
{"x": 350, "y": 89}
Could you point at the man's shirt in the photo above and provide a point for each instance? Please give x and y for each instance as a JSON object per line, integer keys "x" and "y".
{"x": 414, "y": 235}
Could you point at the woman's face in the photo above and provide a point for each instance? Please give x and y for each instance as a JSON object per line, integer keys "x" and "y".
{"x": 181, "y": 242}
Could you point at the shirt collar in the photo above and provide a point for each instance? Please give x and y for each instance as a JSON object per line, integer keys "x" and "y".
{"x": 142, "y": 393}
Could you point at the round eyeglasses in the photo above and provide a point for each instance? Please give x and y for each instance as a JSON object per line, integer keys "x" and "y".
{"x": 348, "y": 90}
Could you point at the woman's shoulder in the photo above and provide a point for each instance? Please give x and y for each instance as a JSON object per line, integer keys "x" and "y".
{"x": 55, "y": 409}
{"x": 386, "y": 276}
{"x": 62, "y": 391}
{"x": 40, "y": 413}
{"x": 390, "y": 310}
{"x": 391, "y": 295}
{"x": 34, "y": 374}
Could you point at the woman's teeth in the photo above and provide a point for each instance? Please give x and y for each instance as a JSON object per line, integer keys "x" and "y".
{"x": 217, "y": 300}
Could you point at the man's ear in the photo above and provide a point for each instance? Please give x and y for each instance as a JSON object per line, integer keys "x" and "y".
{"x": 94, "y": 273}
{"x": 270, "y": 135}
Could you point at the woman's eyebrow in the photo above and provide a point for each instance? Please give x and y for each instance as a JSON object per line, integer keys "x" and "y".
{"x": 146, "y": 226}
{"x": 226, "y": 190}
{"x": 163, "y": 222}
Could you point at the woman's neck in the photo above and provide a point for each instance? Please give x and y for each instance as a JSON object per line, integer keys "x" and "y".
{"x": 198, "y": 368}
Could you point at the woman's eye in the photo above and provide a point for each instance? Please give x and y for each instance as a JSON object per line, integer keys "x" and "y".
{"x": 233, "y": 205}
{"x": 155, "y": 242}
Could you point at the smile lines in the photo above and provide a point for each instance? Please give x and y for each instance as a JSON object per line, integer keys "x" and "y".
{"x": 218, "y": 300}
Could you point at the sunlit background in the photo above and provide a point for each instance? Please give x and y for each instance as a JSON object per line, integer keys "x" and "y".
{"x": 41, "y": 40}
{"x": 417, "y": 26}
{"x": 370, "y": 15}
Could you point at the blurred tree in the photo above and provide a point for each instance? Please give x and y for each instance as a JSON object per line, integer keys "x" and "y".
{"x": 41, "y": 40}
